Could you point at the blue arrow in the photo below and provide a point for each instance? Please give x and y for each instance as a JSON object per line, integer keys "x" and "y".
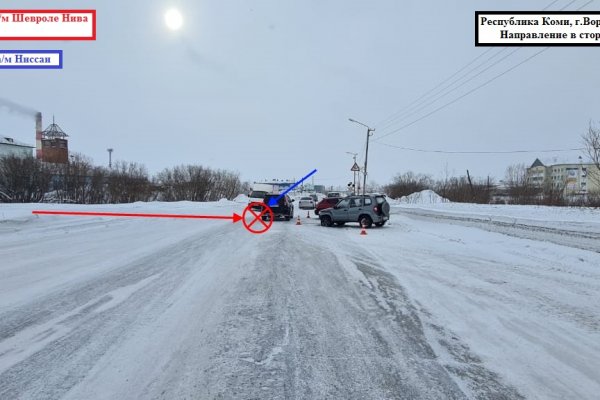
{"x": 274, "y": 200}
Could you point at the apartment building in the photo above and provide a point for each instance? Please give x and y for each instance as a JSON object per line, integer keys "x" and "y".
{"x": 575, "y": 178}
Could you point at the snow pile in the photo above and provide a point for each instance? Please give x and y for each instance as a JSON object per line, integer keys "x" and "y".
{"x": 241, "y": 198}
{"x": 423, "y": 197}
{"x": 580, "y": 216}
{"x": 15, "y": 212}
{"x": 23, "y": 211}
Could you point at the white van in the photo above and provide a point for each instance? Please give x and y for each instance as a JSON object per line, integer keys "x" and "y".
{"x": 259, "y": 190}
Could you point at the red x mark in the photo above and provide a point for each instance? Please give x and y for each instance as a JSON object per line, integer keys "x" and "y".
{"x": 258, "y": 217}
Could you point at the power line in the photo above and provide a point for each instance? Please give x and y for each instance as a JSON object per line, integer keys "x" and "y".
{"x": 419, "y": 104}
{"x": 402, "y": 111}
{"x": 461, "y": 96}
{"x": 572, "y": 1}
{"x": 479, "y": 152}
{"x": 549, "y": 5}
{"x": 397, "y": 114}
{"x": 463, "y": 83}
{"x": 386, "y": 121}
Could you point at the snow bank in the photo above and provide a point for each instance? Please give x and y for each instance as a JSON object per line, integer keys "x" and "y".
{"x": 423, "y": 197}
{"x": 22, "y": 212}
{"x": 15, "y": 212}
{"x": 515, "y": 213}
{"x": 241, "y": 198}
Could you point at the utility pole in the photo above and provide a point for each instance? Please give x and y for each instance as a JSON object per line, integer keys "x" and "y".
{"x": 369, "y": 133}
{"x": 109, "y": 157}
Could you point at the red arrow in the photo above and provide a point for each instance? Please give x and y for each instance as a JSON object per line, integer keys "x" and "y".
{"x": 235, "y": 217}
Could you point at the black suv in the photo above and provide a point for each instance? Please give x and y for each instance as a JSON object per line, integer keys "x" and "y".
{"x": 366, "y": 210}
{"x": 284, "y": 209}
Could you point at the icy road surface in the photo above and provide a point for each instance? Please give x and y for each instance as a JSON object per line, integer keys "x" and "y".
{"x": 434, "y": 306}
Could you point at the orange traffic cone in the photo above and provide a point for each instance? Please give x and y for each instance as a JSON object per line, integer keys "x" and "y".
{"x": 298, "y": 222}
{"x": 308, "y": 214}
{"x": 364, "y": 230}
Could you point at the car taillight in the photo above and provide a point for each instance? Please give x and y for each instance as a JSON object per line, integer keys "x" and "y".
{"x": 375, "y": 209}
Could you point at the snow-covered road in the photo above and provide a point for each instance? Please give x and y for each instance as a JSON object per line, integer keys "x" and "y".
{"x": 104, "y": 308}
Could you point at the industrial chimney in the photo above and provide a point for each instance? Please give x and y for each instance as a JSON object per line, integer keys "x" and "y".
{"x": 38, "y": 135}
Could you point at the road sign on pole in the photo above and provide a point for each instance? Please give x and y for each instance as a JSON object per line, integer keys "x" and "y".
{"x": 355, "y": 168}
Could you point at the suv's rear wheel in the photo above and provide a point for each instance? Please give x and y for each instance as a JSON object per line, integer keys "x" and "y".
{"x": 365, "y": 221}
{"x": 326, "y": 221}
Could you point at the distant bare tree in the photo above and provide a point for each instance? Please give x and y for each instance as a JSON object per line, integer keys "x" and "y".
{"x": 408, "y": 183}
{"x": 23, "y": 180}
{"x": 197, "y": 183}
{"x": 553, "y": 194}
{"x": 245, "y": 187}
{"x": 465, "y": 189}
{"x": 226, "y": 185}
{"x": 462, "y": 189}
{"x": 454, "y": 189}
{"x": 523, "y": 191}
{"x": 520, "y": 189}
{"x": 72, "y": 180}
{"x": 127, "y": 183}
{"x": 442, "y": 185}
{"x": 97, "y": 186}
{"x": 591, "y": 140}
{"x": 593, "y": 199}
{"x": 374, "y": 187}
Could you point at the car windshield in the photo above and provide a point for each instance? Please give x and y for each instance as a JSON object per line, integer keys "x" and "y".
{"x": 306, "y": 198}
{"x": 257, "y": 194}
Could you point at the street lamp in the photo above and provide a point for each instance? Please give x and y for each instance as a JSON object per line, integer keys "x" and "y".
{"x": 353, "y": 170}
{"x": 369, "y": 133}
{"x": 110, "y": 157}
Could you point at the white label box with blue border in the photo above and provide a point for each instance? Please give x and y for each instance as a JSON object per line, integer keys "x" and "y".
{"x": 31, "y": 59}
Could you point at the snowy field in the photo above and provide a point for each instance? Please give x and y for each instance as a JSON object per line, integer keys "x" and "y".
{"x": 448, "y": 301}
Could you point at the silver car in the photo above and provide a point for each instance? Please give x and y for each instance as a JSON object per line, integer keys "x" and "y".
{"x": 306, "y": 203}
{"x": 366, "y": 210}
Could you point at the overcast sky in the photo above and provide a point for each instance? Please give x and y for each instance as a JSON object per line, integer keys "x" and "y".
{"x": 266, "y": 87}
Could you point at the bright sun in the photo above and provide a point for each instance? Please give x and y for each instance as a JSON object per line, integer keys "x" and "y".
{"x": 173, "y": 19}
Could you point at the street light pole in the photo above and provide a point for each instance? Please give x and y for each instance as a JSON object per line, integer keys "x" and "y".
{"x": 369, "y": 133}
{"x": 109, "y": 158}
